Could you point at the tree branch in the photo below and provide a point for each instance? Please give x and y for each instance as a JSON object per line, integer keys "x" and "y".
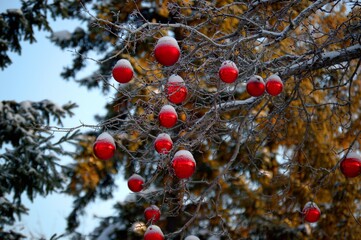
{"x": 323, "y": 60}
{"x": 296, "y": 22}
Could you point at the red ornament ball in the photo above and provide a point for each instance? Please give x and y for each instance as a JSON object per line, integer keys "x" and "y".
{"x": 311, "y": 212}
{"x": 168, "y": 116}
{"x": 163, "y": 143}
{"x": 274, "y": 85}
{"x": 153, "y": 233}
{"x": 183, "y": 164}
{"x": 123, "y": 71}
{"x": 152, "y": 214}
{"x": 351, "y": 165}
{"x": 135, "y": 183}
{"x": 104, "y": 146}
{"x": 255, "y": 86}
{"x": 228, "y": 72}
{"x": 167, "y": 51}
{"x": 176, "y": 89}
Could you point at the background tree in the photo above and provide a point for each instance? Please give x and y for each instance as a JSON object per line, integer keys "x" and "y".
{"x": 29, "y": 153}
{"x": 259, "y": 160}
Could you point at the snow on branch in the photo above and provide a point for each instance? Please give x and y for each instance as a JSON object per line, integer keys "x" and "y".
{"x": 322, "y": 60}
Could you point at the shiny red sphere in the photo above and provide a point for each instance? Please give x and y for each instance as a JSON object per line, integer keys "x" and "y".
{"x": 152, "y": 214}
{"x": 122, "y": 74}
{"x": 103, "y": 150}
{"x": 135, "y": 184}
{"x": 274, "y": 87}
{"x": 183, "y": 166}
{"x": 176, "y": 92}
{"x": 153, "y": 236}
{"x": 350, "y": 167}
{"x": 167, "y": 119}
{"x": 167, "y": 54}
{"x": 311, "y": 214}
{"x": 153, "y": 232}
{"x": 163, "y": 145}
{"x": 255, "y": 88}
{"x": 228, "y": 74}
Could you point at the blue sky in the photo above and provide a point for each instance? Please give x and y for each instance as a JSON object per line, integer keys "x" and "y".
{"x": 34, "y": 76}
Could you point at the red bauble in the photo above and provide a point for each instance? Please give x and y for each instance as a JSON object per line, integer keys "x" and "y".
{"x": 274, "y": 85}
{"x": 123, "y": 71}
{"x": 183, "y": 164}
{"x": 176, "y": 89}
{"x": 192, "y": 237}
{"x": 104, "y": 146}
{"x": 167, "y": 51}
{"x": 135, "y": 183}
{"x": 163, "y": 143}
{"x": 351, "y": 165}
{"x": 168, "y": 116}
{"x": 153, "y": 233}
{"x": 311, "y": 212}
{"x": 228, "y": 72}
{"x": 152, "y": 214}
{"x": 255, "y": 86}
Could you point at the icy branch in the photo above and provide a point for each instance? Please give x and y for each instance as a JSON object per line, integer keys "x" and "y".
{"x": 258, "y": 2}
{"x": 323, "y": 60}
{"x": 235, "y": 104}
{"x": 296, "y": 22}
{"x": 226, "y": 106}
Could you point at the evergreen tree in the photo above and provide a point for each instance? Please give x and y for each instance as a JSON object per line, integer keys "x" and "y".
{"x": 259, "y": 160}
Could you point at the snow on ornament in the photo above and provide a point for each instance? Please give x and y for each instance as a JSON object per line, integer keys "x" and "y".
{"x": 163, "y": 143}
{"x": 255, "y": 86}
{"x": 228, "y": 72}
{"x": 183, "y": 164}
{"x": 350, "y": 166}
{"x": 274, "y": 85}
{"x": 135, "y": 183}
{"x": 123, "y": 71}
{"x": 153, "y": 233}
{"x": 167, "y": 51}
{"x": 152, "y": 213}
{"x": 104, "y": 146}
{"x": 311, "y": 212}
{"x": 176, "y": 90}
{"x": 168, "y": 116}
{"x": 192, "y": 237}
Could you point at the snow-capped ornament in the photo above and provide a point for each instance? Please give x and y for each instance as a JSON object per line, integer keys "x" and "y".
{"x": 274, "y": 85}
{"x": 123, "y": 71}
{"x": 176, "y": 89}
{"x": 167, "y": 51}
{"x": 168, "y": 116}
{"x": 152, "y": 213}
{"x": 163, "y": 143}
{"x": 183, "y": 164}
{"x": 311, "y": 212}
{"x": 153, "y": 233}
{"x": 228, "y": 72}
{"x": 255, "y": 86}
{"x": 192, "y": 237}
{"x": 104, "y": 146}
{"x": 135, "y": 183}
{"x": 350, "y": 166}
